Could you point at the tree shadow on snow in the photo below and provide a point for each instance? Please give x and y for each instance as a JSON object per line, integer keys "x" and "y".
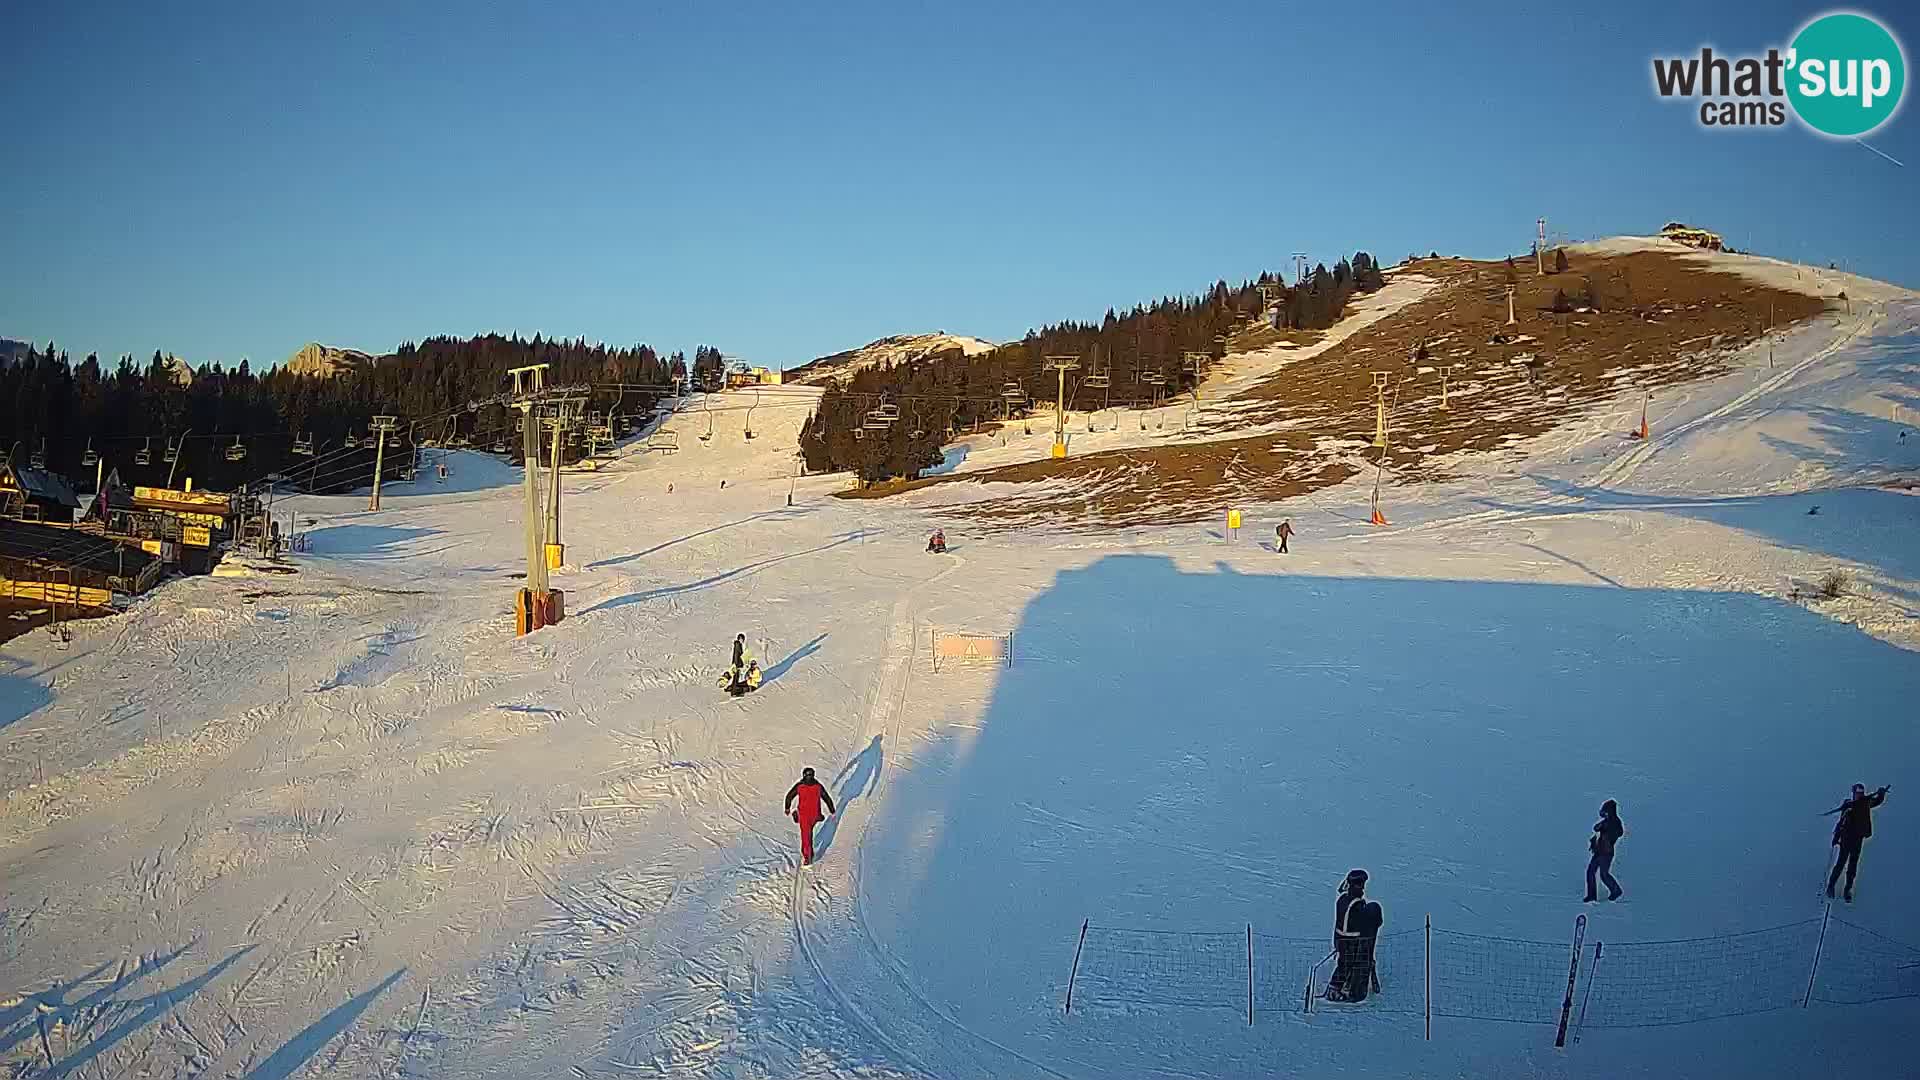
{"x": 854, "y": 780}
{"x": 129, "y": 1016}
{"x": 793, "y": 658}
{"x": 284, "y": 1062}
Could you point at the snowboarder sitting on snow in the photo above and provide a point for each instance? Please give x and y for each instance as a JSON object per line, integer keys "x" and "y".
{"x": 1606, "y": 833}
{"x": 1851, "y": 831}
{"x": 1356, "y": 925}
{"x": 1280, "y": 534}
{"x": 811, "y": 795}
{"x": 937, "y": 543}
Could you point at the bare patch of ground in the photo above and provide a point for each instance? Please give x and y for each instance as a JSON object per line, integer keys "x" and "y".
{"x": 1642, "y": 321}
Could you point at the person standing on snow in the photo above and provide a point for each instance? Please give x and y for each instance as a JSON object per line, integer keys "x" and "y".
{"x": 811, "y": 795}
{"x": 1280, "y": 534}
{"x": 1851, "y": 831}
{"x": 1356, "y": 926}
{"x": 1606, "y": 833}
{"x": 740, "y": 658}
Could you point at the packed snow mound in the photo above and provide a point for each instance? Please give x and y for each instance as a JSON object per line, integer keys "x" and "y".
{"x": 897, "y": 349}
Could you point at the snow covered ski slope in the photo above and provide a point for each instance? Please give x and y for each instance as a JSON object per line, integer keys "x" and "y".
{"x": 342, "y": 822}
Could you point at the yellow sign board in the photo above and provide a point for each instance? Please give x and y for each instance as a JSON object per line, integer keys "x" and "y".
{"x": 196, "y": 536}
{"x": 151, "y": 547}
{"x": 1233, "y": 519}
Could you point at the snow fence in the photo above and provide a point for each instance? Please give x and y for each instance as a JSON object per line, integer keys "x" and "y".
{"x": 1432, "y": 972}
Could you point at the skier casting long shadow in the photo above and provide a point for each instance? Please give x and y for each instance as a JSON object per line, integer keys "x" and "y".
{"x": 855, "y": 778}
{"x": 812, "y": 795}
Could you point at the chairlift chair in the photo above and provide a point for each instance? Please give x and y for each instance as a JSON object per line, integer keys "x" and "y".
{"x": 38, "y": 459}
{"x": 499, "y": 446}
{"x": 351, "y": 442}
{"x": 238, "y": 451}
{"x": 172, "y": 453}
{"x": 303, "y": 445}
{"x": 144, "y": 455}
{"x": 89, "y": 459}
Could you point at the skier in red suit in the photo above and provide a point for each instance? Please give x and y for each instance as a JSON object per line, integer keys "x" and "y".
{"x": 811, "y": 795}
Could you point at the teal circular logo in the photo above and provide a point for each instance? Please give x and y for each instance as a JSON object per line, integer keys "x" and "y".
{"x": 1847, "y": 75}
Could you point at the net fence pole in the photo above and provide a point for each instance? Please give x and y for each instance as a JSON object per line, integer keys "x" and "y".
{"x": 1573, "y": 977}
{"x": 1427, "y": 959}
{"x": 1249, "y": 974}
{"x": 1593, "y": 972}
{"x": 1075, "y": 973}
{"x": 1819, "y": 946}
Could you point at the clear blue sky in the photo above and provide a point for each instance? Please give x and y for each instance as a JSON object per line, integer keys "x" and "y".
{"x": 784, "y": 180}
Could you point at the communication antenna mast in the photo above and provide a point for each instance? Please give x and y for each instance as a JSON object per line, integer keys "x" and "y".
{"x": 1540, "y": 246}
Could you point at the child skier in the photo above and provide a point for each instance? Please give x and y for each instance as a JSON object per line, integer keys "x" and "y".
{"x": 748, "y": 681}
{"x": 811, "y": 795}
{"x": 1850, "y": 832}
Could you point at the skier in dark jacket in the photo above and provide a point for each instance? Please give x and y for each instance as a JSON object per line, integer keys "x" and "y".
{"x": 1852, "y": 830}
{"x": 1280, "y": 534}
{"x": 1606, "y": 833}
{"x": 1356, "y": 925}
{"x": 811, "y": 795}
{"x": 739, "y": 663}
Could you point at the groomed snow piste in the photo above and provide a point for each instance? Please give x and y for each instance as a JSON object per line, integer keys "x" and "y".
{"x": 342, "y": 821}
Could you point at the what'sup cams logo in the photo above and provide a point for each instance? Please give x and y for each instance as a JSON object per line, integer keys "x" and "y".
{"x": 1843, "y": 76}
